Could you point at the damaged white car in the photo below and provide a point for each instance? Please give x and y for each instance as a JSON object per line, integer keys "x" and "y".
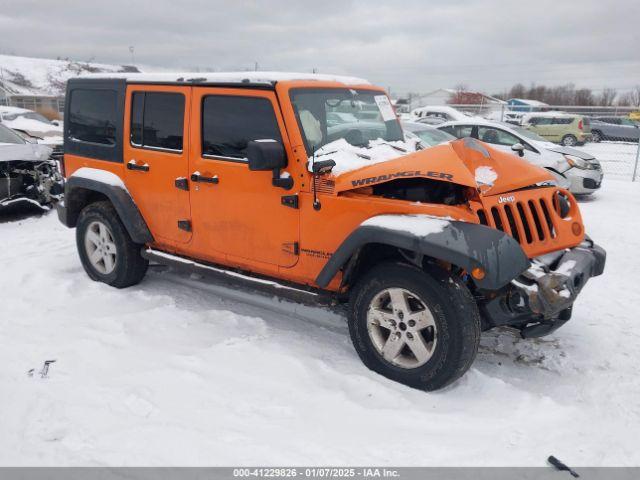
{"x": 27, "y": 173}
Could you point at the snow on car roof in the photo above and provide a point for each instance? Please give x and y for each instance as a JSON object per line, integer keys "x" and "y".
{"x": 7, "y": 109}
{"x": 230, "y": 77}
{"x": 551, "y": 114}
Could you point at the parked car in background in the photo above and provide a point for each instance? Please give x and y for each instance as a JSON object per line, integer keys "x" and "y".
{"x": 426, "y": 120}
{"x": 614, "y": 128}
{"x": 427, "y": 135}
{"x": 559, "y": 127}
{"x": 27, "y": 174}
{"x": 31, "y": 124}
{"x": 447, "y": 114}
{"x": 575, "y": 170}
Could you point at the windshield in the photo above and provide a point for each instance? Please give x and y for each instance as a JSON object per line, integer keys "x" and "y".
{"x": 356, "y": 116}
{"x": 527, "y": 133}
{"x": 9, "y": 136}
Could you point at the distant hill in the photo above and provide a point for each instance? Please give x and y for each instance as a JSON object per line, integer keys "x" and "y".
{"x": 43, "y": 76}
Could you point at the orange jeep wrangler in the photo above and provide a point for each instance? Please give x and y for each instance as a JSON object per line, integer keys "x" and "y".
{"x": 306, "y": 184}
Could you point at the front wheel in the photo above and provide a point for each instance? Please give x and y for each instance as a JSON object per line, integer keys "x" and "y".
{"x": 596, "y": 136}
{"x": 417, "y": 328}
{"x": 106, "y": 250}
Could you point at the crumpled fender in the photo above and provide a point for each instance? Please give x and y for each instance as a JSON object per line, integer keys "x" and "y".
{"x": 466, "y": 245}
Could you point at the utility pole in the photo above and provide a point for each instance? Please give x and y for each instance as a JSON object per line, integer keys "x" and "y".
{"x": 133, "y": 59}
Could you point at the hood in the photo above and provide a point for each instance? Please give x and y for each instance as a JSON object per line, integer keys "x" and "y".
{"x": 34, "y": 128}
{"x": 31, "y": 152}
{"x": 467, "y": 162}
{"x": 571, "y": 151}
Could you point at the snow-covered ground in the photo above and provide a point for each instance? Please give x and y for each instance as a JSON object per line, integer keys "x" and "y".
{"x": 170, "y": 373}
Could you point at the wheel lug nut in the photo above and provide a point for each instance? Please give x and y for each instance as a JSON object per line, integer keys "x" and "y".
{"x": 409, "y": 335}
{"x": 412, "y": 323}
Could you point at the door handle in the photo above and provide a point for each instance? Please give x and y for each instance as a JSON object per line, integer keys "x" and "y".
{"x": 132, "y": 165}
{"x": 196, "y": 177}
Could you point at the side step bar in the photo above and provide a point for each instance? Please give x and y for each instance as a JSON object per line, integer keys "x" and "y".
{"x": 238, "y": 279}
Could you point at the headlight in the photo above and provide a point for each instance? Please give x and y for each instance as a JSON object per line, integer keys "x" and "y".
{"x": 578, "y": 162}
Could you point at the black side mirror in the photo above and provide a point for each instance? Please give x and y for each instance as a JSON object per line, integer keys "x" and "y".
{"x": 519, "y": 148}
{"x": 269, "y": 155}
{"x": 266, "y": 155}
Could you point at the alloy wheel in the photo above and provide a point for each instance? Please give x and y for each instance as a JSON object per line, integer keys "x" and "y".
{"x": 100, "y": 247}
{"x": 401, "y": 328}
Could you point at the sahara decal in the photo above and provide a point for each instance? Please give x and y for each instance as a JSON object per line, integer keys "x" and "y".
{"x": 411, "y": 173}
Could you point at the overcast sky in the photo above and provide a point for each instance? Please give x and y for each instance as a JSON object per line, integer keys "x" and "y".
{"x": 412, "y": 45}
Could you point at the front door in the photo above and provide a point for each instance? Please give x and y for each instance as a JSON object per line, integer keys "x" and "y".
{"x": 238, "y": 213}
{"x": 156, "y": 153}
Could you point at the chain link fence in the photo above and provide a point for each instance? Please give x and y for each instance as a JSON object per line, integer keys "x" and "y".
{"x": 613, "y": 138}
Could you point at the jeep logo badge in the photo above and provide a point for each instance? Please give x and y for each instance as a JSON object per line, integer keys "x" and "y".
{"x": 508, "y": 199}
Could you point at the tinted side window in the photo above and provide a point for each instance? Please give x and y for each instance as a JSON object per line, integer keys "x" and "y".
{"x": 92, "y": 116}
{"x": 562, "y": 121}
{"x": 497, "y": 136}
{"x": 229, "y": 123}
{"x": 157, "y": 120}
{"x": 462, "y": 131}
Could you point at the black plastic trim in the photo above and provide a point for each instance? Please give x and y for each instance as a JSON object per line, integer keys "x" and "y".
{"x": 76, "y": 193}
{"x": 466, "y": 245}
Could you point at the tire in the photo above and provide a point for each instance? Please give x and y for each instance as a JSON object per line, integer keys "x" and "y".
{"x": 99, "y": 231}
{"x": 569, "y": 141}
{"x": 596, "y": 136}
{"x": 451, "y": 339}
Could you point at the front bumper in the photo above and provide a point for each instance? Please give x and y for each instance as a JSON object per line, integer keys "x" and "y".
{"x": 540, "y": 300}
{"x": 584, "y": 181}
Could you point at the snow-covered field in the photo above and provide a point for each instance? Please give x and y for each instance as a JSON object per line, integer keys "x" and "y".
{"x": 170, "y": 373}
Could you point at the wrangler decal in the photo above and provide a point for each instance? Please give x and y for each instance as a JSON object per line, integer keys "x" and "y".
{"x": 410, "y": 173}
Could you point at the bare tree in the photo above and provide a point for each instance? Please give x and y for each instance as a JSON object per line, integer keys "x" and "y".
{"x": 607, "y": 97}
{"x": 631, "y": 98}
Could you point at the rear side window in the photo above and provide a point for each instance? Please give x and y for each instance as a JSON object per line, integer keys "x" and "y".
{"x": 157, "y": 120}
{"x": 92, "y": 116}
{"x": 230, "y": 122}
{"x": 562, "y": 121}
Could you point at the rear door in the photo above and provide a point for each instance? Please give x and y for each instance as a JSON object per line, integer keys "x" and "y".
{"x": 237, "y": 213}
{"x": 543, "y": 127}
{"x": 156, "y": 154}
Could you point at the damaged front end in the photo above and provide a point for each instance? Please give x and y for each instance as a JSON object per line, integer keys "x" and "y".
{"x": 540, "y": 300}
{"x": 36, "y": 182}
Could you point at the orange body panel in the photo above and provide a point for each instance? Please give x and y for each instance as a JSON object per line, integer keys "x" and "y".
{"x": 241, "y": 221}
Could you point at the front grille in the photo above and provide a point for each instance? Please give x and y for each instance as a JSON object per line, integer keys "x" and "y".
{"x": 324, "y": 184}
{"x": 532, "y": 218}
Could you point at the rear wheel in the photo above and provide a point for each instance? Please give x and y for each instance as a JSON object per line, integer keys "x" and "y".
{"x": 417, "y": 328}
{"x": 106, "y": 250}
{"x": 569, "y": 141}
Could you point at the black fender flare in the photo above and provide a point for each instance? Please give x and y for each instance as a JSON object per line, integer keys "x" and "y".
{"x": 466, "y": 245}
{"x": 75, "y": 195}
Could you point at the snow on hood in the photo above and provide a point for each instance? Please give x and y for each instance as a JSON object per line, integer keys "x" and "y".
{"x": 349, "y": 157}
{"x": 28, "y": 151}
{"x": 465, "y": 162}
{"x": 34, "y": 128}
